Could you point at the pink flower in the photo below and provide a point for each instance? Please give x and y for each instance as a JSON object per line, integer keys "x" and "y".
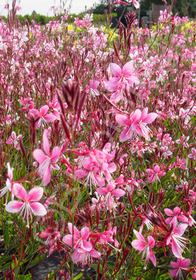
{"x": 29, "y": 203}
{"x": 51, "y": 238}
{"x": 155, "y": 174}
{"x": 176, "y": 214}
{"x": 181, "y": 264}
{"x": 42, "y": 115}
{"x": 13, "y": 139}
{"x": 121, "y": 77}
{"x": 47, "y": 162}
{"x": 175, "y": 239}
{"x": 83, "y": 247}
{"x": 109, "y": 192}
{"x": 9, "y": 183}
{"x": 193, "y": 155}
{"x": 136, "y": 122}
{"x": 145, "y": 246}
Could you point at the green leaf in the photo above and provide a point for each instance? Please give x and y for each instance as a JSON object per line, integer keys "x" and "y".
{"x": 167, "y": 176}
{"x": 78, "y": 276}
{"x": 24, "y": 277}
{"x": 36, "y": 261}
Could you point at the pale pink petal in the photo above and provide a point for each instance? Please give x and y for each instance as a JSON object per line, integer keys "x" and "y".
{"x": 68, "y": 239}
{"x": 46, "y": 144}
{"x": 139, "y": 236}
{"x": 14, "y": 206}
{"x": 112, "y": 84}
{"x": 102, "y": 191}
{"x": 177, "y": 251}
{"x": 44, "y": 110}
{"x": 85, "y": 233}
{"x": 128, "y": 69}
{"x": 19, "y": 191}
{"x": 86, "y": 245}
{"x": 38, "y": 209}
{"x": 138, "y": 245}
{"x": 150, "y": 118}
{"x": 46, "y": 175}
{"x": 39, "y": 156}
{"x": 168, "y": 212}
{"x": 123, "y": 120}
{"x": 35, "y": 194}
{"x": 73, "y": 230}
{"x": 118, "y": 193}
{"x": 81, "y": 173}
{"x": 99, "y": 180}
{"x": 181, "y": 229}
{"x": 95, "y": 254}
{"x": 152, "y": 257}
{"x": 174, "y": 272}
{"x": 56, "y": 151}
{"x": 50, "y": 118}
{"x": 125, "y": 134}
{"x": 115, "y": 69}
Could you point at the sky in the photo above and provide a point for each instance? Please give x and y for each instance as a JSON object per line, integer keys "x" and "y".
{"x": 43, "y": 6}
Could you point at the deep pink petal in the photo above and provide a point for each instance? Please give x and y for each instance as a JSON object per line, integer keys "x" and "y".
{"x": 150, "y": 118}
{"x": 102, "y": 191}
{"x": 174, "y": 272}
{"x": 38, "y": 209}
{"x": 14, "y": 206}
{"x": 39, "y": 156}
{"x": 151, "y": 241}
{"x": 19, "y": 191}
{"x": 35, "y": 194}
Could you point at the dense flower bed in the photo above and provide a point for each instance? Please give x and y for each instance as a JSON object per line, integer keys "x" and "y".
{"x": 98, "y": 152}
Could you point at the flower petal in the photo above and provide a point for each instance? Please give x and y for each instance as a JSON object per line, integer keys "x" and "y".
{"x": 35, "y": 194}
{"x": 19, "y": 191}
{"x": 38, "y": 209}
{"x": 14, "y": 206}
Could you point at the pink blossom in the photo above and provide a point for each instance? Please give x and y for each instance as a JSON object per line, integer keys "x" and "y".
{"x": 29, "y": 203}
{"x": 83, "y": 247}
{"x": 181, "y": 264}
{"x": 42, "y": 115}
{"x": 9, "y": 183}
{"x": 51, "y": 238}
{"x": 175, "y": 214}
{"x": 109, "y": 192}
{"x": 176, "y": 240}
{"x": 13, "y": 139}
{"x": 155, "y": 174}
{"x": 144, "y": 246}
{"x": 121, "y": 77}
{"x": 193, "y": 154}
{"x": 47, "y": 161}
{"x": 136, "y": 122}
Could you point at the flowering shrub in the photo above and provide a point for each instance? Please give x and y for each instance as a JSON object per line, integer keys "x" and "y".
{"x": 98, "y": 147}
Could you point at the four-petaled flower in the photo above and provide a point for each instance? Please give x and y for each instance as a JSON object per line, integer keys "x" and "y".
{"x": 29, "y": 204}
{"x": 181, "y": 264}
{"x": 47, "y": 162}
{"x": 135, "y": 123}
{"x": 144, "y": 246}
{"x": 83, "y": 247}
{"x": 122, "y": 78}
